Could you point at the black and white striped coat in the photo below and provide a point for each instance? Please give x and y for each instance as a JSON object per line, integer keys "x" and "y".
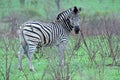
{"x": 48, "y": 34}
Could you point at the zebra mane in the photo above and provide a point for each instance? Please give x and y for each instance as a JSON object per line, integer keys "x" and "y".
{"x": 66, "y": 13}
{"x": 62, "y": 14}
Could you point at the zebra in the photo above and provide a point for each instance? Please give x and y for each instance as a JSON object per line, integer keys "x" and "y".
{"x": 34, "y": 33}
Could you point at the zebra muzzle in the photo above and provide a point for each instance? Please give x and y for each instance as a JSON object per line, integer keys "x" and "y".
{"x": 76, "y": 29}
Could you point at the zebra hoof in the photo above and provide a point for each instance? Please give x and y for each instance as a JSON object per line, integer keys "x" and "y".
{"x": 32, "y": 70}
{"x": 20, "y": 68}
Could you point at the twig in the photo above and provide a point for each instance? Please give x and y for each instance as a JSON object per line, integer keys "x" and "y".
{"x": 44, "y": 73}
{"x": 84, "y": 41}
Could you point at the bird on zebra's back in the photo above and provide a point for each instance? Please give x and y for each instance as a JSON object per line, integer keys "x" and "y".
{"x": 34, "y": 34}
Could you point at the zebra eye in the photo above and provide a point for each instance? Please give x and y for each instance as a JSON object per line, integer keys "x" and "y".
{"x": 73, "y": 18}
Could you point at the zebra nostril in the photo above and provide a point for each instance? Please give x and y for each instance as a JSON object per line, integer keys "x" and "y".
{"x": 77, "y": 29}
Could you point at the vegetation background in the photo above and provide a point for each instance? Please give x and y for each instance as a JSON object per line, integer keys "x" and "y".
{"x": 94, "y": 54}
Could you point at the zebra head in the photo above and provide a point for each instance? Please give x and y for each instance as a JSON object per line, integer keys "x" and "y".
{"x": 70, "y": 18}
{"x": 74, "y": 19}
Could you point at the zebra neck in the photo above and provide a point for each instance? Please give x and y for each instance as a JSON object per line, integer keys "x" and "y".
{"x": 67, "y": 26}
{"x": 64, "y": 24}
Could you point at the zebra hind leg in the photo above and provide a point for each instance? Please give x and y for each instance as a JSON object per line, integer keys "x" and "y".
{"x": 30, "y": 53}
{"x": 20, "y": 55}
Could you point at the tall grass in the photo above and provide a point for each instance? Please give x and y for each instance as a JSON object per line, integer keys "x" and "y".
{"x": 91, "y": 59}
{"x": 91, "y": 55}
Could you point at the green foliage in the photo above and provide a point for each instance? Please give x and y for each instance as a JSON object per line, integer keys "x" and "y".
{"x": 78, "y": 65}
{"x": 31, "y": 12}
{"x": 45, "y": 7}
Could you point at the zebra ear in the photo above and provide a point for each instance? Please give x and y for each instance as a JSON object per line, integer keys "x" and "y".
{"x": 75, "y": 10}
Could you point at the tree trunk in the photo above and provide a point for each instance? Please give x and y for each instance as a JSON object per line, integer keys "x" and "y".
{"x": 22, "y": 2}
{"x": 58, "y": 4}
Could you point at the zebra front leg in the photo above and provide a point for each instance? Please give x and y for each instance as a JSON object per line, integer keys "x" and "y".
{"x": 20, "y": 55}
{"x": 30, "y": 53}
{"x": 60, "y": 51}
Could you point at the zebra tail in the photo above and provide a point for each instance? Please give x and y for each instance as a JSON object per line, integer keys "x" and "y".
{"x": 24, "y": 42}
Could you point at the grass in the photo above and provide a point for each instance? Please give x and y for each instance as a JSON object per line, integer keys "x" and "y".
{"x": 88, "y": 7}
{"x": 80, "y": 67}
{"x": 101, "y": 65}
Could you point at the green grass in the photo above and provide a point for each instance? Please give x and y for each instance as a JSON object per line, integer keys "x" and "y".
{"x": 45, "y": 7}
{"x": 81, "y": 68}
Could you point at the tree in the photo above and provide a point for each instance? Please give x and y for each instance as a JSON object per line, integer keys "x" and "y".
{"x": 58, "y": 4}
{"x": 22, "y": 2}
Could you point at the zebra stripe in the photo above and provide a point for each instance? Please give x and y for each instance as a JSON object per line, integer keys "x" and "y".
{"x": 36, "y": 33}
